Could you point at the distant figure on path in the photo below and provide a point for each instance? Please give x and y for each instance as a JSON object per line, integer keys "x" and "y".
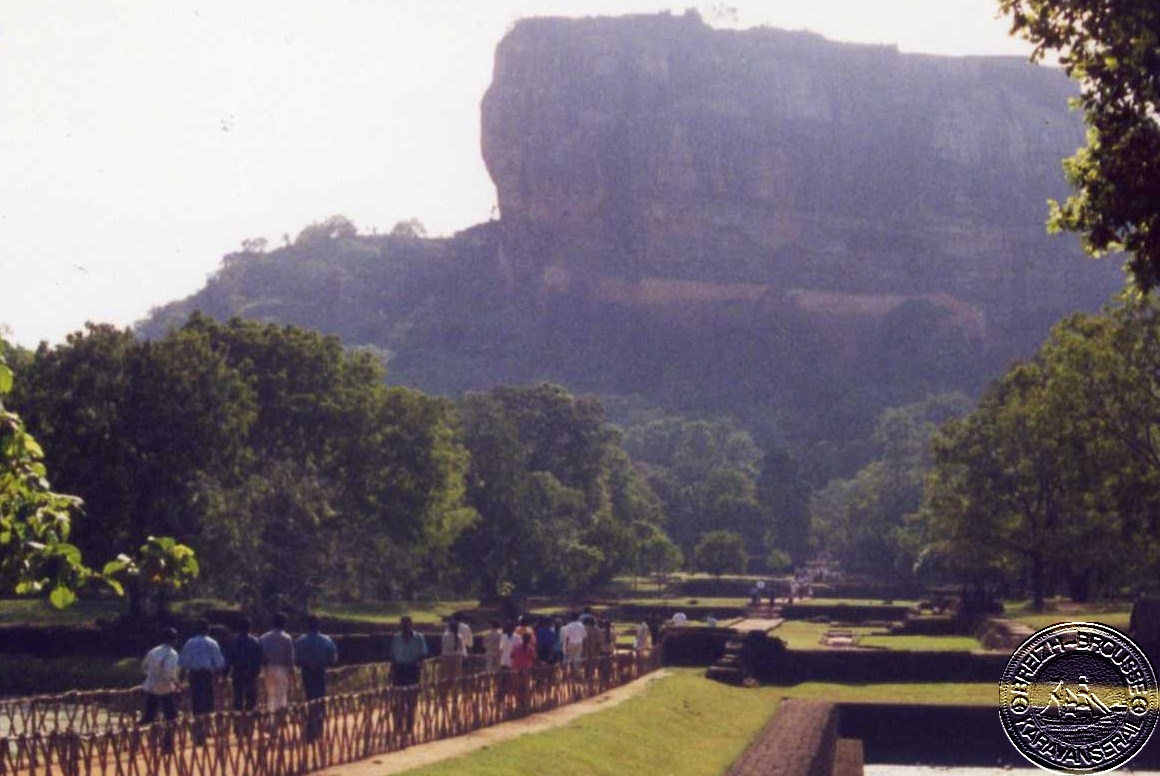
{"x": 510, "y": 639}
{"x": 523, "y": 659}
{"x": 314, "y": 652}
{"x": 524, "y": 653}
{"x": 545, "y": 641}
{"x": 466, "y": 638}
{"x": 450, "y": 652}
{"x": 408, "y": 651}
{"x": 492, "y": 647}
{"x": 201, "y": 658}
{"x": 161, "y": 685}
{"x": 573, "y": 635}
{"x": 277, "y": 663}
{"x": 642, "y": 636}
{"x": 244, "y": 664}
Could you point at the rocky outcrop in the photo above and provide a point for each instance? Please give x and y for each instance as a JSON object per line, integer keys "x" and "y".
{"x": 652, "y": 160}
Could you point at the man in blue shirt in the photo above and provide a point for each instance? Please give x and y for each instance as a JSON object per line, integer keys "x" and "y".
{"x": 313, "y": 652}
{"x": 200, "y": 659}
{"x": 408, "y": 651}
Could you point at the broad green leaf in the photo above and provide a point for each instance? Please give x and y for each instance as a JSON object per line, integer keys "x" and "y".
{"x": 62, "y": 597}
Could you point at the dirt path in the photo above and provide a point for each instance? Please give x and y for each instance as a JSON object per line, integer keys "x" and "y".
{"x": 425, "y": 754}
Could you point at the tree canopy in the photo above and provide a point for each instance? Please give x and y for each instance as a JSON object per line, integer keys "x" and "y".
{"x": 1050, "y": 484}
{"x": 35, "y": 521}
{"x": 1113, "y": 50}
{"x": 560, "y": 505}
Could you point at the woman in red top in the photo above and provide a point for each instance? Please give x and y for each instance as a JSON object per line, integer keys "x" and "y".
{"x": 523, "y": 658}
{"x": 524, "y": 653}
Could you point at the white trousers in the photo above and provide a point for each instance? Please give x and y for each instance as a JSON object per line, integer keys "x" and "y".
{"x": 277, "y": 687}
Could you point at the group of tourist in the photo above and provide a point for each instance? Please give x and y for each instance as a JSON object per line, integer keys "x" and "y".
{"x": 510, "y": 649}
{"x": 245, "y": 658}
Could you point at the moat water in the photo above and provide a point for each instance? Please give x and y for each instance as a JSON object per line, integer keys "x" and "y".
{"x": 934, "y": 770}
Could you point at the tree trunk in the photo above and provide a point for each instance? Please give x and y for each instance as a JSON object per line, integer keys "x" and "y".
{"x": 1038, "y": 582}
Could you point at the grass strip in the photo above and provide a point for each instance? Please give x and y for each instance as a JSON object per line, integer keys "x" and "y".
{"x": 650, "y": 733}
{"x": 925, "y": 694}
{"x": 801, "y": 635}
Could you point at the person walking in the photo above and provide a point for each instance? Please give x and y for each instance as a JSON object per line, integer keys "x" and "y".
{"x": 573, "y": 635}
{"x": 523, "y": 658}
{"x": 277, "y": 663}
{"x": 492, "y": 647}
{"x": 593, "y": 646}
{"x": 466, "y": 637}
{"x": 408, "y": 651}
{"x": 244, "y": 664}
{"x": 161, "y": 685}
{"x": 545, "y": 641}
{"x": 201, "y": 659}
{"x": 641, "y": 637}
{"x": 314, "y": 652}
{"x": 450, "y": 653}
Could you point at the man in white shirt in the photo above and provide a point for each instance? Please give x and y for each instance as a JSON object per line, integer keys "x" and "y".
{"x": 161, "y": 684}
{"x": 465, "y": 635}
{"x": 573, "y": 635}
{"x": 277, "y": 663}
{"x": 492, "y": 647}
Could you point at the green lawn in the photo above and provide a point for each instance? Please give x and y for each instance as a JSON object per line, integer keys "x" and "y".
{"x": 1113, "y": 613}
{"x": 936, "y": 694}
{"x": 798, "y": 634}
{"x": 668, "y": 603}
{"x": 37, "y": 611}
{"x": 389, "y": 612}
{"x": 853, "y": 602}
{"x": 649, "y": 733}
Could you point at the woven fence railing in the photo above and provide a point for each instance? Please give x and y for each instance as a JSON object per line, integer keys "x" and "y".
{"x": 306, "y": 737}
{"x": 101, "y": 711}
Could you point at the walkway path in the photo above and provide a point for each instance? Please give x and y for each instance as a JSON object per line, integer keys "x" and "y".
{"x": 756, "y": 623}
{"x": 448, "y": 748}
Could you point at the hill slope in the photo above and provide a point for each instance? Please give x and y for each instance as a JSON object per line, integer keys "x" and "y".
{"x": 765, "y": 224}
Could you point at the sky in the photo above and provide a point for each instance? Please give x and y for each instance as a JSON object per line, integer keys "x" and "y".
{"x": 142, "y": 140}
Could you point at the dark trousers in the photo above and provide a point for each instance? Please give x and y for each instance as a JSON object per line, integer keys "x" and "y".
{"x": 245, "y": 693}
{"x": 200, "y": 700}
{"x": 406, "y": 682}
{"x": 245, "y": 701}
{"x": 314, "y": 688}
{"x": 168, "y": 708}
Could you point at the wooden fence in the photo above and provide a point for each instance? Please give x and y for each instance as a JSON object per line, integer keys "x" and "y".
{"x": 305, "y": 737}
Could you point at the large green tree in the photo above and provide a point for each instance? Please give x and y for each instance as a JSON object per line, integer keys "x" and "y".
{"x": 705, "y": 472}
{"x": 721, "y": 552}
{"x": 272, "y": 449}
{"x": 1050, "y": 484}
{"x": 129, "y": 426}
{"x": 35, "y": 521}
{"x": 370, "y": 478}
{"x": 560, "y": 505}
{"x": 862, "y": 520}
{"x": 1112, "y": 48}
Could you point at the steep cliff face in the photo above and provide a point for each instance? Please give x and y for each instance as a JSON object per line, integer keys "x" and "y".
{"x": 653, "y": 147}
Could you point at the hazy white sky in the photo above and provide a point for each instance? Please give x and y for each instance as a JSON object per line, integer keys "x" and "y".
{"x": 140, "y": 140}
